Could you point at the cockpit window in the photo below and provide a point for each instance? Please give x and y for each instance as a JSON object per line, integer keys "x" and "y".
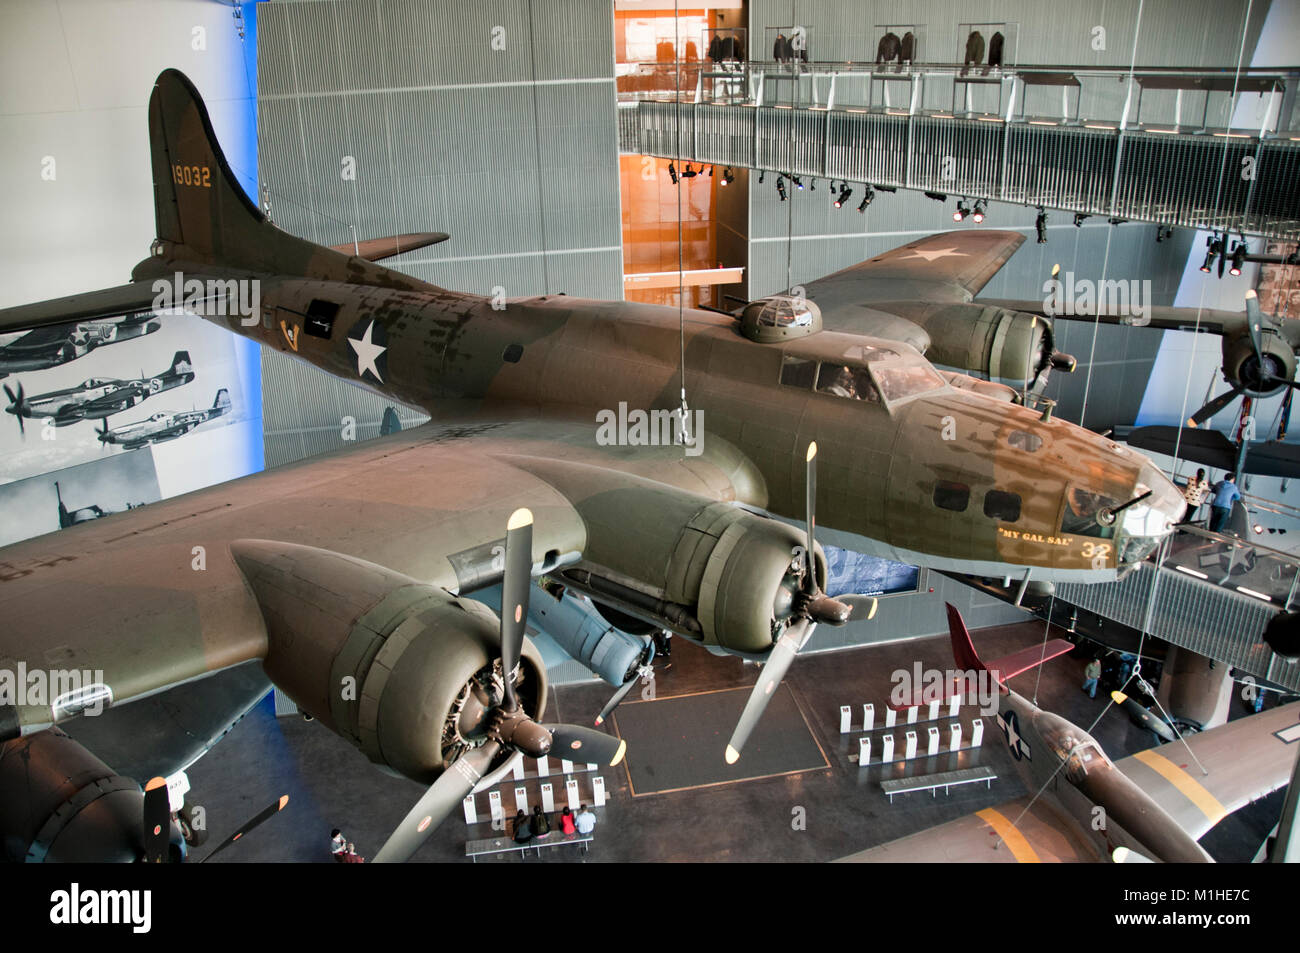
{"x": 1081, "y": 508}
{"x": 905, "y": 381}
{"x": 841, "y": 380}
{"x": 797, "y": 372}
{"x": 870, "y": 353}
{"x": 1000, "y": 505}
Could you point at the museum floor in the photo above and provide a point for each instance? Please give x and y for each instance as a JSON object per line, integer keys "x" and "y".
{"x": 331, "y": 784}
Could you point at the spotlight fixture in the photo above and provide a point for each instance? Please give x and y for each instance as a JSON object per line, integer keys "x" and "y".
{"x": 1040, "y": 225}
{"x": 710, "y": 172}
{"x": 728, "y": 176}
{"x": 761, "y": 174}
{"x": 937, "y": 196}
{"x": 688, "y": 172}
{"x": 1079, "y": 218}
{"x": 1215, "y": 248}
{"x": 812, "y": 185}
{"x": 1239, "y": 251}
{"x": 961, "y": 213}
{"x": 672, "y": 173}
{"x": 780, "y": 187}
{"x": 867, "y": 199}
{"x": 1117, "y": 221}
{"x": 845, "y": 192}
{"x": 978, "y": 213}
{"x": 798, "y": 184}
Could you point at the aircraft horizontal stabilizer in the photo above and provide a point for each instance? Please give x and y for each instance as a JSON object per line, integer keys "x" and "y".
{"x": 377, "y": 249}
{"x": 1009, "y": 666}
{"x": 133, "y": 298}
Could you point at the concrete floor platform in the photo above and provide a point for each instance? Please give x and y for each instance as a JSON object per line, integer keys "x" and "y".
{"x": 810, "y": 816}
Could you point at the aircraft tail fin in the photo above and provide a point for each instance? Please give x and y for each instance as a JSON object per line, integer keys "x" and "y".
{"x": 181, "y": 363}
{"x": 203, "y": 215}
{"x": 1008, "y": 666}
{"x": 223, "y": 399}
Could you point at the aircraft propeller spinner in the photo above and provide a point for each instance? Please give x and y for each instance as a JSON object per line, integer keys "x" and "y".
{"x": 811, "y": 606}
{"x": 509, "y": 727}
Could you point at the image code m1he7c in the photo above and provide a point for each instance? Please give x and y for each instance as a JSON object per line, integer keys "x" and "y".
{"x": 600, "y": 431}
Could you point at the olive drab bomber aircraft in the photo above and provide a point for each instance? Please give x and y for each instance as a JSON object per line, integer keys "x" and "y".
{"x": 353, "y": 568}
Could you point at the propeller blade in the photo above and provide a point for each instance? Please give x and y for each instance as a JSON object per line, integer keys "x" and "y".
{"x": 586, "y": 745}
{"x": 618, "y": 697}
{"x": 1123, "y": 855}
{"x": 274, "y": 808}
{"x": 444, "y": 796}
{"x": 1214, "y": 406}
{"x": 810, "y": 514}
{"x": 157, "y": 821}
{"x": 774, "y": 669}
{"x": 1256, "y": 323}
{"x": 515, "y": 587}
{"x": 863, "y": 607}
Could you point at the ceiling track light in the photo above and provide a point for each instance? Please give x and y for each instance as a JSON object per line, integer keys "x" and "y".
{"x": 1040, "y": 225}
{"x": 761, "y": 174}
{"x": 978, "y": 212}
{"x": 780, "y": 187}
{"x": 1214, "y": 250}
{"x": 845, "y": 192}
{"x": 867, "y": 199}
{"x": 689, "y": 173}
{"x": 1239, "y": 252}
{"x": 798, "y": 184}
{"x": 672, "y": 173}
{"x": 961, "y": 213}
{"x": 1080, "y": 218}
{"x": 937, "y": 196}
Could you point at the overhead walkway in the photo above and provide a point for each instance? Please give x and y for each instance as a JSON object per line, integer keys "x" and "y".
{"x": 1207, "y": 149}
{"x": 1212, "y": 594}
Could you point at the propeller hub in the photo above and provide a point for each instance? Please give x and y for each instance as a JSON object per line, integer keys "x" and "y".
{"x": 513, "y": 727}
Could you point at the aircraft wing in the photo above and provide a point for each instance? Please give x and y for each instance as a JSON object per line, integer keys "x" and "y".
{"x": 152, "y": 597}
{"x": 1165, "y": 317}
{"x": 1004, "y": 834}
{"x": 1234, "y": 764}
{"x": 949, "y": 266}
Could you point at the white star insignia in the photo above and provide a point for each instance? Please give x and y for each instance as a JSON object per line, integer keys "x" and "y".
{"x": 936, "y": 254}
{"x": 367, "y": 353}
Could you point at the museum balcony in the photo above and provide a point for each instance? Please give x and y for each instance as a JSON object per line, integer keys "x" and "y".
{"x": 1199, "y": 148}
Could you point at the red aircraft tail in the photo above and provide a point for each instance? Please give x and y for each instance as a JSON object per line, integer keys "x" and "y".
{"x": 1009, "y": 666}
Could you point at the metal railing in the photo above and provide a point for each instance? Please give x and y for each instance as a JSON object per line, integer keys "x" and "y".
{"x": 1162, "y": 161}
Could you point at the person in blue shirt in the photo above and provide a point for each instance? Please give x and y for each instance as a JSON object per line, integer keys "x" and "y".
{"x": 1225, "y": 494}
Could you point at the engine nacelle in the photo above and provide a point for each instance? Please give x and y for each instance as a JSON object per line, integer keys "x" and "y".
{"x": 61, "y": 804}
{"x": 1241, "y": 366}
{"x": 1007, "y": 346}
{"x": 714, "y": 573}
{"x": 377, "y": 657}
